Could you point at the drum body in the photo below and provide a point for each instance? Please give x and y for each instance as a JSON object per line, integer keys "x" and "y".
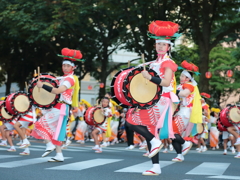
{"x": 220, "y": 126}
{"x": 200, "y": 128}
{"x": 93, "y": 116}
{"x": 130, "y": 88}
{"x": 117, "y": 87}
{"x": 229, "y": 116}
{"x": 4, "y": 116}
{"x": 17, "y": 103}
{"x": 40, "y": 97}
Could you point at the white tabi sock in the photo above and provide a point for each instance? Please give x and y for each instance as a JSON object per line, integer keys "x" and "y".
{"x": 180, "y": 156}
{"x": 156, "y": 168}
{"x": 154, "y": 141}
{"x": 25, "y": 141}
{"x": 26, "y": 150}
{"x": 59, "y": 156}
{"x": 49, "y": 145}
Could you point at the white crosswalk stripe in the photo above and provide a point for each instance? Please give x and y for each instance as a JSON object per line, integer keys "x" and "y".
{"x": 143, "y": 167}
{"x": 8, "y": 156}
{"x": 85, "y": 164}
{"x": 25, "y": 162}
{"x": 225, "y": 177}
{"x": 214, "y": 170}
{"x": 210, "y": 168}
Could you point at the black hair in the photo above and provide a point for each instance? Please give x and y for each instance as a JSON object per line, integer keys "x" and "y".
{"x": 212, "y": 113}
{"x": 191, "y": 73}
{"x": 106, "y": 98}
{"x": 109, "y": 93}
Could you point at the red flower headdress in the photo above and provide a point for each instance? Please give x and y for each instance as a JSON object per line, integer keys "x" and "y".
{"x": 164, "y": 30}
{"x": 205, "y": 95}
{"x": 71, "y": 54}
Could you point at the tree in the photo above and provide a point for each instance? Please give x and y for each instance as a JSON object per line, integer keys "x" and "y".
{"x": 206, "y": 22}
{"x": 221, "y": 86}
{"x": 31, "y": 37}
{"x": 211, "y": 21}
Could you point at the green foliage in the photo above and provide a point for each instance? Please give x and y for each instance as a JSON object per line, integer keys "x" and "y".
{"x": 221, "y": 60}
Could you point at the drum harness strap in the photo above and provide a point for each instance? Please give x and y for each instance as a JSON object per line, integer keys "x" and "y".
{"x": 64, "y": 103}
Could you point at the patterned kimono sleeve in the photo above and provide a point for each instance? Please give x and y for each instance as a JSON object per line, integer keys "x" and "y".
{"x": 169, "y": 64}
{"x": 188, "y": 86}
{"x": 68, "y": 82}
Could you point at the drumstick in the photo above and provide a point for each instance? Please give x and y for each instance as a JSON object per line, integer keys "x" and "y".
{"x": 143, "y": 62}
{"x": 26, "y": 86}
{"x": 144, "y": 68}
{"x": 38, "y": 77}
{"x": 128, "y": 63}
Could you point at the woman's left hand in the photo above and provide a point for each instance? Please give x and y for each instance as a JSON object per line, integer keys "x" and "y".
{"x": 146, "y": 75}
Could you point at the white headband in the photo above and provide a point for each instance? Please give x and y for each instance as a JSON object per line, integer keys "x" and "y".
{"x": 186, "y": 73}
{"x": 164, "y": 41}
{"x": 68, "y": 62}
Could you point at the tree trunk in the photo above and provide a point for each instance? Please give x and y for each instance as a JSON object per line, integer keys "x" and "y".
{"x": 103, "y": 74}
{"x": 203, "y": 68}
{"x": 8, "y": 83}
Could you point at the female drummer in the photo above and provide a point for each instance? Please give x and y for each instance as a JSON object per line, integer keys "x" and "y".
{"x": 188, "y": 92}
{"x": 158, "y": 119}
{"x": 52, "y": 125}
{"x": 235, "y": 131}
{"x": 107, "y": 112}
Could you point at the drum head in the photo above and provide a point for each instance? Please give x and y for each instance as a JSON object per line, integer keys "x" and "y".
{"x": 98, "y": 116}
{"x": 43, "y": 97}
{"x": 140, "y": 92}
{"x": 141, "y": 89}
{"x": 234, "y": 116}
{"x": 200, "y": 128}
{"x": 5, "y": 115}
{"x": 21, "y": 103}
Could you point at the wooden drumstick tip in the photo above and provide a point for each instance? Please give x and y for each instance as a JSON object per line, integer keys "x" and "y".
{"x": 144, "y": 68}
{"x": 143, "y": 59}
{"x": 38, "y": 76}
{"x": 26, "y": 86}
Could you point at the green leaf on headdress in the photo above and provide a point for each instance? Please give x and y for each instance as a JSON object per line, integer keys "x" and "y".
{"x": 80, "y": 60}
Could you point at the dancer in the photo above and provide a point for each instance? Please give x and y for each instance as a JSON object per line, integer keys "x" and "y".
{"x": 235, "y": 131}
{"x": 214, "y": 133}
{"x": 47, "y": 126}
{"x": 141, "y": 121}
{"x": 106, "y": 111}
{"x": 189, "y": 110}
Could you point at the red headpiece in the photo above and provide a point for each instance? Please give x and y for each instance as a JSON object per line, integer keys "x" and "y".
{"x": 205, "y": 95}
{"x": 163, "y": 28}
{"x": 189, "y": 66}
{"x": 71, "y": 54}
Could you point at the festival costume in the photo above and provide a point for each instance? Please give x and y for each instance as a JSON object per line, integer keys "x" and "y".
{"x": 183, "y": 120}
{"x": 82, "y": 126}
{"x": 157, "y": 121}
{"x": 45, "y": 127}
{"x": 103, "y": 127}
{"x": 52, "y": 125}
{"x": 151, "y": 117}
{"x": 214, "y": 133}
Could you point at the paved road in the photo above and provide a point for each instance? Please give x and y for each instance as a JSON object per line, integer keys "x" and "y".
{"x": 115, "y": 163}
